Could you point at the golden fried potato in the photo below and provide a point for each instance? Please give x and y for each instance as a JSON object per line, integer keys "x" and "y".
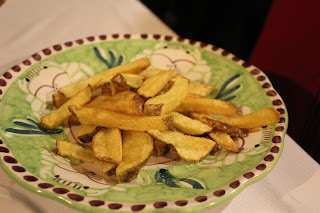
{"x": 233, "y": 131}
{"x": 225, "y": 141}
{"x": 263, "y": 117}
{"x": 87, "y": 132}
{"x": 117, "y": 84}
{"x": 103, "y": 77}
{"x": 188, "y": 125}
{"x": 207, "y": 105}
{"x": 160, "y": 148}
{"x": 147, "y": 73}
{"x": 68, "y": 149}
{"x": 56, "y": 117}
{"x": 162, "y": 104}
{"x": 200, "y": 89}
{"x": 137, "y": 148}
{"x": 189, "y": 148}
{"x": 58, "y": 99}
{"x": 107, "y": 145}
{"x": 107, "y": 118}
{"x": 133, "y": 80}
{"x": 153, "y": 85}
{"x": 127, "y": 102}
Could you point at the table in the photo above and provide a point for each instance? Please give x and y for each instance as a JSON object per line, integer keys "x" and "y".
{"x": 29, "y": 26}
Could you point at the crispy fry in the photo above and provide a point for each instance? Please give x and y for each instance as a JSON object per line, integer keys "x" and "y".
{"x": 147, "y": 73}
{"x": 58, "y": 99}
{"x": 166, "y": 88}
{"x": 107, "y": 118}
{"x": 207, "y": 105}
{"x": 56, "y": 117}
{"x": 160, "y": 148}
{"x": 99, "y": 79}
{"x": 189, "y": 148}
{"x": 133, "y": 80}
{"x": 68, "y": 149}
{"x": 200, "y": 89}
{"x": 162, "y": 104}
{"x": 152, "y": 86}
{"x": 117, "y": 84}
{"x": 107, "y": 145}
{"x": 87, "y": 132}
{"x": 188, "y": 125}
{"x": 200, "y": 116}
{"x": 137, "y": 148}
{"x": 225, "y": 141}
{"x": 264, "y": 117}
{"x": 223, "y": 127}
{"x": 125, "y": 102}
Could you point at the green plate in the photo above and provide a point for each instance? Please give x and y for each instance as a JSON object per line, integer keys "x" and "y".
{"x": 164, "y": 184}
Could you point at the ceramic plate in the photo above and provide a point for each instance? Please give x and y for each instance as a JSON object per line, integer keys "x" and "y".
{"x": 164, "y": 183}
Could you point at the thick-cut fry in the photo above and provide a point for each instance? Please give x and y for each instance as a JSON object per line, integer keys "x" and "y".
{"x": 264, "y": 117}
{"x": 68, "y": 149}
{"x": 207, "y": 105}
{"x": 87, "y": 132}
{"x": 225, "y": 141}
{"x": 188, "y": 125}
{"x": 200, "y": 89}
{"x": 107, "y": 145}
{"x": 117, "y": 84}
{"x": 233, "y": 131}
{"x": 58, "y": 99}
{"x": 200, "y": 116}
{"x": 152, "y": 86}
{"x": 162, "y": 104}
{"x": 56, "y": 117}
{"x": 99, "y": 79}
{"x": 147, "y": 73}
{"x": 126, "y": 102}
{"x": 107, "y": 118}
{"x": 133, "y": 80}
{"x": 166, "y": 88}
{"x": 160, "y": 148}
{"x": 189, "y": 148}
{"x": 137, "y": 148}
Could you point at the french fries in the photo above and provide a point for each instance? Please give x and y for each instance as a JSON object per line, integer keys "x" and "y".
{"x": 225, "y": 141}
{"x": 55, "y": 118}
{"x": 107, "y": 145}
{"x": 207, "y": 105}
{"x": 134, "y": 112}
{"x": 188, "y": 125}
{"x": 87, "y": 132}
{"x": 127, "y": 102}
{"x": 147, "y": 73}
{"x": 189, "y": 148}
{"x": 264, "y": 117}
{"x": 168, "y": 101}
{"x": 107, "y": 118}
{"x": 137, "y": 148}
{"x": 68, "y": 149}
{"x": 200, "y": 89}
{"x": 58, "y": 99}
{"x": 152, "y": 86}
{"x": 99, "y": 79}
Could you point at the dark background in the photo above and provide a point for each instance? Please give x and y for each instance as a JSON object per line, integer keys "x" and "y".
{"x": 232, "y": 25}
{"x": 236, "y": 26}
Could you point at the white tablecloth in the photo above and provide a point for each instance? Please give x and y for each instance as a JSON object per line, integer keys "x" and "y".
{"x": 29, "y": 26}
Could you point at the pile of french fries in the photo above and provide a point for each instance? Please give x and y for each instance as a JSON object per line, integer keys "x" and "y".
{"x": 131, "y": 111}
